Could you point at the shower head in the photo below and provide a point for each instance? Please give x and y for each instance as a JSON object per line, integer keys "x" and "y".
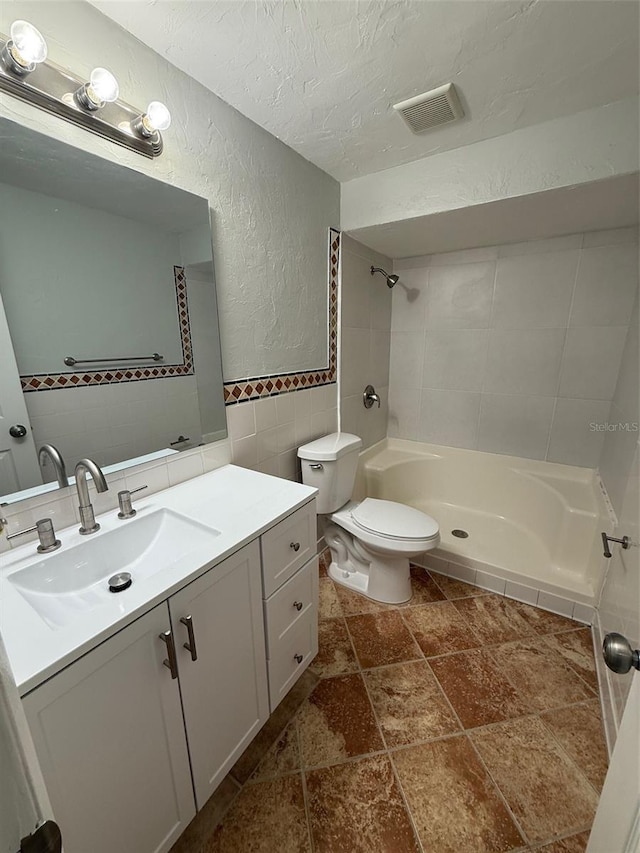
{"x": 391, "y": 279}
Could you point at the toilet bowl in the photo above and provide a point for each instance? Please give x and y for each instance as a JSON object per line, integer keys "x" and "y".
{"x": 370, "y": 541}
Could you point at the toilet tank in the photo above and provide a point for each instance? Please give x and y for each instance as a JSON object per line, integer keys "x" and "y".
{"x": 337, "y": 458}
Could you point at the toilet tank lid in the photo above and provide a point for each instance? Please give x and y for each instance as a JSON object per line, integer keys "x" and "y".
{"x": 330, "y": 447}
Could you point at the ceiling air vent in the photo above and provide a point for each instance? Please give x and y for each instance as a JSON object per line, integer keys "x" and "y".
{"x": 436, "y": 107}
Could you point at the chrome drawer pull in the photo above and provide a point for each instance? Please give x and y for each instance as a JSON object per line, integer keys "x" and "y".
{"x": 295, "y": 546}
{"x": 191, "y": 645}
{"x": 298, "y": 605}
{"x": 299, "y": 658}
{"x": 167, "y": 639}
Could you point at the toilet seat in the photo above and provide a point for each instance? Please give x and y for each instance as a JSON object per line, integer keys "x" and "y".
{"x": 392, "y": 544}
{"x": 394, "y": 520}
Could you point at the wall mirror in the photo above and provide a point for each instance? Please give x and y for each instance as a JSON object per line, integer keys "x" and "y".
{"x": 109, "y": 339}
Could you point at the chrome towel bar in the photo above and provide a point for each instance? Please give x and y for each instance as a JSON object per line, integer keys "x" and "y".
{"x": 70, "y": 360}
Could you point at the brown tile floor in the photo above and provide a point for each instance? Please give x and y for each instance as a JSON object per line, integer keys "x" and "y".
{"x": 461, "y": 722}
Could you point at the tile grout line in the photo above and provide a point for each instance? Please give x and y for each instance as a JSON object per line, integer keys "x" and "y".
{"x": 303, "y": 782}
{"x": 566, "y": 754}
{"x": 394, "y": 770}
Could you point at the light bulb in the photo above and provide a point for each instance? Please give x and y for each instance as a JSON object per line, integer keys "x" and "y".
{"x": 28, "y": 43}
{"x": 104, "y": 85}
{"x": 24, "y": 50}
{"x": 101, "y": 89}
{"x": 157, "y": 117}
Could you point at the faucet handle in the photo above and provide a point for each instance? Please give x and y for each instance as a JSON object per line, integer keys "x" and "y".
{"x": 124, "y": 502}
{"x": 46, "y": 535}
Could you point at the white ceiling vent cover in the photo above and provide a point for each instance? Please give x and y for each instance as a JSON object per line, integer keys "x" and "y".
{"x": 436, "y": 107}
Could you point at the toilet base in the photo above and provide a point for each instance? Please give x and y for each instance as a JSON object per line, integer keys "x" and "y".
{"x": 380, "y": 577}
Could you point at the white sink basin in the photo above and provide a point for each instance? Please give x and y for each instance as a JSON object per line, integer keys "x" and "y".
{"x": 73, "y": 581}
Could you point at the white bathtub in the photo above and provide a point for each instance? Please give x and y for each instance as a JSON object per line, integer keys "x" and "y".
{"x": 533, "y": 527}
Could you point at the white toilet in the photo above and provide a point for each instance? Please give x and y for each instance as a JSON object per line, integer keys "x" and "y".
{"x": 370, "y": 542}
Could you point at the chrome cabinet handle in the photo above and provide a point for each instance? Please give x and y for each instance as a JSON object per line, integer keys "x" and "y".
{"x": 298, "y": 605}
{"x": 295, "y": 546}
{"x": 167, "y": 639}
{"x": 298, "y": 658}
{"x": 191, "y": 645}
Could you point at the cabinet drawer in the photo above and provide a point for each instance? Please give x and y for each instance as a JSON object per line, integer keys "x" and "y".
{"x": 288, "y": 546}
{"x": 284, "y": 667}
{"x": 291, "y": 603}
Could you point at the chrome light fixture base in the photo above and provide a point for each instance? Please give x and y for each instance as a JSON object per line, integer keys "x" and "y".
{"x": 53, "y": 89}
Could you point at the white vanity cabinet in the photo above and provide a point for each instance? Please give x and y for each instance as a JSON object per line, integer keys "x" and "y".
{"x": 224, "y": 690}
{"x": 290, "y": 586}
{"x": 109, "y": 730}
{"x": 109, "y": 735}
{"x": 128, "y": 733}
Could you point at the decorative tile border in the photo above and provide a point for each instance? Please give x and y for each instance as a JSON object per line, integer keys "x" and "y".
{"x": 281, "y": 383}
{"x": 49, "y": 382}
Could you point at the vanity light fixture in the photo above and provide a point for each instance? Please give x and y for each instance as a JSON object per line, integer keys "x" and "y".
{"x": 94, "y": 105}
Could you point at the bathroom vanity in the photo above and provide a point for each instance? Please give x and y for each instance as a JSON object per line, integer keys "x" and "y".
{"x": 139, "y": 702}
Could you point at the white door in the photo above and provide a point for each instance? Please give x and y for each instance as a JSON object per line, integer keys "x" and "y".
{"x": 18, "y": 459}
{"x": 109, "y": 736}
{"x": 224, "y": 690}
{"x": 616, "y": 828}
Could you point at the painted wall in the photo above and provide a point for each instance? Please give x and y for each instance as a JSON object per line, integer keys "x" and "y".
{"x": 365, "y": 341}
{"x": 513, "y": 349}
{"x": 269, "y": 240}
{"x": 582, "y": 148}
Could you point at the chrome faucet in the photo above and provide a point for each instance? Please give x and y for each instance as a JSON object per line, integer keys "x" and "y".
{"x": 56, "y": 460}
{"x": 87, "y": 516}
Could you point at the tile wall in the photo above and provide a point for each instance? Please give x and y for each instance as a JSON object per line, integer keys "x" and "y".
{"x": 513, "y": 349}
{"x": 266, "y": 433}
{"x": 365, "y": 340}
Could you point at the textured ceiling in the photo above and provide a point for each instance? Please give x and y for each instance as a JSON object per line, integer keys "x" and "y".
{"x": 322, "y": 75}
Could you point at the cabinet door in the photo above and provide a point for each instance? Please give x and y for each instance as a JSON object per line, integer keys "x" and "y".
{"x": 109, "y": 736}
{"x": 224, "y": 691}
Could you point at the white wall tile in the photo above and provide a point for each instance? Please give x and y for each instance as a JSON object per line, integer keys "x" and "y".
{"x": 354, "y": 362}
{"x": 449, "y": 418}
{"x": 407, "y": 352}
{"x": 285, "y": 408}
{"x": 591, "y": 362}
{"x": 573, "y": 439}
{"x": 459, "y": 297}
{"x": 301, "y": 404}
{"x": 265, "y": 412}
{"x": 555, "y": 604}
{"x": 534, "y": 291}
{"x": 606, "y": 286}
{"x": 454, "y": 359}
{"x": 461, "y": 573}
{"x": 408, "y": 302}
{"x": 404, "y": 408}
{"x": 267, "y": 443}
{"x": 583, "y": 613}
{"x": 184, "y": 466}
{"x": 244, "y": 452}
{"x": 350, "y": 407}
{"x": 485, "y": 580}
{"x": 525, "y": 361}
{"x": 520, "y": 592}
{"x": 517, "y": 426}
{"x": 379, "y": 357}
{"x": 241, "y": 420}
{"x": 466, "y": 256}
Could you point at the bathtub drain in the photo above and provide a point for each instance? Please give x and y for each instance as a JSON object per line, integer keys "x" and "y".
{"x": 461, "y": 534}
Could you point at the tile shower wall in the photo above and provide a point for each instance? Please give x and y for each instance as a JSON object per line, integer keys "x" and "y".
{"x": 513, "y": 349}
{"x": 365, "y": 340}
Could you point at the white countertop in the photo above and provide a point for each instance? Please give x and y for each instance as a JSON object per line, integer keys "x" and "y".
{"x": 239, "y": 503}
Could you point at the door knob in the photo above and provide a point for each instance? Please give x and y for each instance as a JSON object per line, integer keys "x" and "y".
{"x": 17, "y": 431}
{"x": 618, "y": 654}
